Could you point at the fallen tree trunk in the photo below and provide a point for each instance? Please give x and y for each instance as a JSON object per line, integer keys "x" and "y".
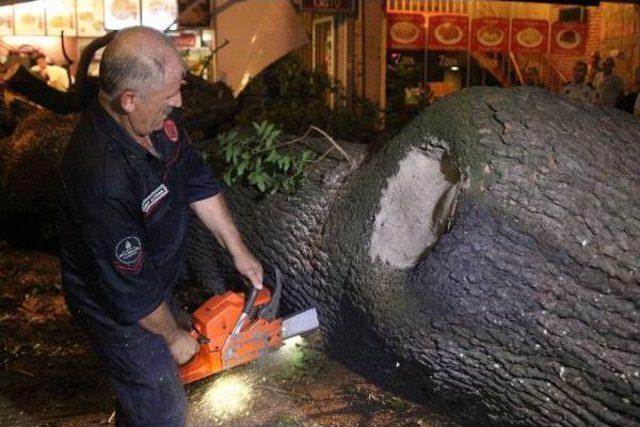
{"x": 489, "y": 252}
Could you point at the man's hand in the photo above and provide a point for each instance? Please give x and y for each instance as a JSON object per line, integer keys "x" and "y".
{"x": 182, "y": 346}
{"x": 249, "y": 267}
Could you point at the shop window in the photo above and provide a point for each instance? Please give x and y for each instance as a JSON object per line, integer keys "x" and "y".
{"x": 573, "y": 14}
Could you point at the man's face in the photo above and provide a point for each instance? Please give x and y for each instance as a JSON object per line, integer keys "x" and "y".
{"x": 607, "y": 66}
{"x": 594, "y": 58}
{"x": 41, "y": 62}
{"x": 152, "y": 109}
{"x": 579, "y": 73}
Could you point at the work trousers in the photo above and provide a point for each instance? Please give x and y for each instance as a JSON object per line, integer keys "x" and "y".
{"x": 146, "y": 382}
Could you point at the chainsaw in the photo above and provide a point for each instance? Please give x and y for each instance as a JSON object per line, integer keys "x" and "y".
{"x": 233, "y": 330}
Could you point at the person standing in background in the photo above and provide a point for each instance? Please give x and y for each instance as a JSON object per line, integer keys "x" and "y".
{"x": 55, "y": 76}
{"x": 594, "y": 67}
{"x": 578, "y": 89}
{"x": 608, "y": 85}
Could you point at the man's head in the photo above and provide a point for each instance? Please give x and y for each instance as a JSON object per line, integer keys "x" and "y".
{"x": 607, "y": 66}
{"x": 532, "y": 76}
{"x": 594, "y": 59}
{"x": 579, "y": 72}
{"x": 41, "y": 61}
{"x": 140, "y": 75}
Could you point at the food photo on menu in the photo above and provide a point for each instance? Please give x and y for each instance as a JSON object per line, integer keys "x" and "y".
{"x": 121, "y": 13}
{"x": 568, "y": 39}
{"x": 405, "y": 32}
{"x": 529, "y": 37}
{"x": 90, "y": 18}
{"x": 448, "y": 33}
{"x": 490, "y": 35}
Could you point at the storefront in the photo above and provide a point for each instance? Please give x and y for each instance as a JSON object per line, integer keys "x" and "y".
{"x": 384, "y": 49}
{"x": 38, "y": 25}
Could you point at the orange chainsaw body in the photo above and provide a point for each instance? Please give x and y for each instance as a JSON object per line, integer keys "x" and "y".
{"x": 213, "y": 322}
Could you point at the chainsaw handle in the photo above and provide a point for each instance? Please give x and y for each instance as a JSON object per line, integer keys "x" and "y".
{"x": 199, "y": 337}
{"x": 251, "y": 299}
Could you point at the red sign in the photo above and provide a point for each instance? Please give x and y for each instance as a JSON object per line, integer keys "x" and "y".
{"x": 568, "y": 38}
{"x": 448, "y": 32}
{"x": 325, "y": 6}
{"x": 529, "y": 36}
{"x": 405, "y": 32}
{"x": 184, "y": 40}
{"x": 490, "y": 35}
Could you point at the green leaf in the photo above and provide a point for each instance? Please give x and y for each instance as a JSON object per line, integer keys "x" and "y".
{"x": 242, "y": 166}
{"x": 273, "y": 157}
{"x": 227, "y": 178}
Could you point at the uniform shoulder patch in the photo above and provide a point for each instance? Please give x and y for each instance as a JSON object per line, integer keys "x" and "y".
{"x": 128, "y": 254}
{"x": 171, "y": 130}
{"x": 152, "y": 200}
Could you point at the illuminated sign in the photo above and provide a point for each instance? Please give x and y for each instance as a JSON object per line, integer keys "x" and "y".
{"x": 333, "y": 6}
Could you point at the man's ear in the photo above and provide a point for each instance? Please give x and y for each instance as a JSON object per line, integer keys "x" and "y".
{"x": 127, "y": 101}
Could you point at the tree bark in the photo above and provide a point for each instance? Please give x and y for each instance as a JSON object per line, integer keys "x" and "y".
{"x": 490, "y": 252}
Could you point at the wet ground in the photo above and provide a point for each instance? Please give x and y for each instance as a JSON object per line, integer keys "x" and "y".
{"x": 50, "y": 377}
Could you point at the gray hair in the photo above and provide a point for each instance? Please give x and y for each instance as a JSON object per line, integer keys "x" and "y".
{"x": 135, "y": 59}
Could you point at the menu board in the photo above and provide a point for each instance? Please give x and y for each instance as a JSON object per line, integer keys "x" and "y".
{"x": 529, "y": 36}
{"x": 194, "y": 13}
{"x": 61, "y": 16}
{"x": 119, "y": 14}
{"x": 448, "y": 32}
{"x": 90, "y": 18}
{"x": 490, "y": 35}
{"x": 29, "y": 18}
{"x": 159, "y": 14}
{"x": 405, "y": 32}
{"x": 568, "y": 38}
{"x": 6, "y": 21}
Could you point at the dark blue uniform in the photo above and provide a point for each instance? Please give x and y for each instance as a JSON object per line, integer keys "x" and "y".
{"x": 124, "y": 217}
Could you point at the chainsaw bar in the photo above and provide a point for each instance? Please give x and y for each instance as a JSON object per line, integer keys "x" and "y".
{"x": 300, "y": 323}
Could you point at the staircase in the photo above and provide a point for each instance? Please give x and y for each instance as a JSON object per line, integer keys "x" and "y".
{"x": 504, "y": 68}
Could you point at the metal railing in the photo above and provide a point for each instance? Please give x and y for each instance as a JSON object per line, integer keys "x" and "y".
{"x": 427, "y": 6}
{"x": 555, "y": 79}
{"x": 515, "y": 67}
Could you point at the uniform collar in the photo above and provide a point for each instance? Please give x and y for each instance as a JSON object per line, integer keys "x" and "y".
{"x": 115, "y": 134}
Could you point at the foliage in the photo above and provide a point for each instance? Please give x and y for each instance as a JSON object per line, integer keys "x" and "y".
{"x": 295, "y": 98}
{"x": 256, "y": 156}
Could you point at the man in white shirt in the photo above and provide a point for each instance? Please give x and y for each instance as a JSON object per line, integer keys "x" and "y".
{"x": 608, "y": 85}
{"x": 55, "y": 76}
{"x": 578, "y": 89}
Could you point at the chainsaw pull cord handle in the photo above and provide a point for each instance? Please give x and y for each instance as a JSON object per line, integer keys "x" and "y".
{"x": 251, "y": 299}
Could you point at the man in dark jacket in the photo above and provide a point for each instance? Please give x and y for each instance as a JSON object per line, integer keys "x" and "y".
{"x": 130, "y": 177}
